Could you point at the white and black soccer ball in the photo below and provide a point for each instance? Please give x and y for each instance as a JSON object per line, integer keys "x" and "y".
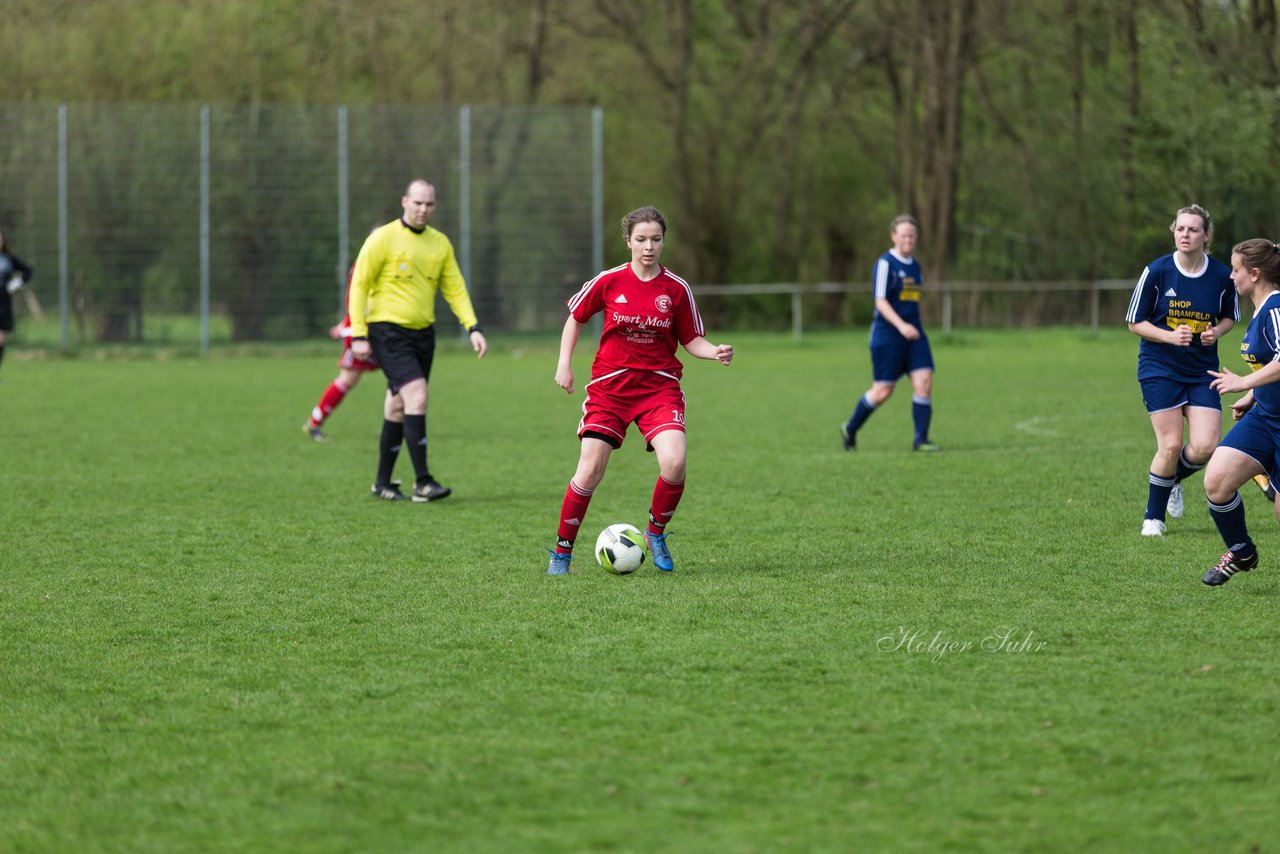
{"x": 620, "y": 548}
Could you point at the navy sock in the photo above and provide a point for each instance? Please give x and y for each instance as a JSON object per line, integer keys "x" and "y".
{"x": 921, "y": 414}
{"x": 1158, "y": 495}
{"x": 1229, "y": 518}
{"x": 860, "y": 415}
{"x": 415, "y": 436}
{"x": 1186, "y": 468}
{"x": 389, "y": 450}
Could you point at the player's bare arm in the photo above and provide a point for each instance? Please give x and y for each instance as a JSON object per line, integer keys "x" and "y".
{"x": 701, "y": 348}
{"x": 1226, "y": 382}
{"x": 568, "y": 341}
{"x": 886, "y": 310}
{"x": 1148, "y": 330}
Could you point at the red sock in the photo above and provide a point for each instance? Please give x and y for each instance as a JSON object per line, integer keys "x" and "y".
{"x": 329, "y": 401}
{"x": 572, "y": 512}
{"x": 666, "y": 496}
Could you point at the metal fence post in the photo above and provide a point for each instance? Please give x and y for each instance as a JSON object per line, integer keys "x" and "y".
{"x": 597, "y": 188}
{"x": 464, "y": 206}
{"x": 204, "y": 229}
{"x": 344, "y": 211}
{"x": 1095, "y": 299}
{"x": 597, "y": 202}
{"x": 64, "y": 317}
{"x": 946, "y": 310}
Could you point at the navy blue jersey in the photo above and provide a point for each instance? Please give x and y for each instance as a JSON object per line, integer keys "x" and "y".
{"x": 898, "y": 281}
{"x": 9, "y": 265}
{"x": 1261, "y": 345}
{"x": 1169, "y": 298}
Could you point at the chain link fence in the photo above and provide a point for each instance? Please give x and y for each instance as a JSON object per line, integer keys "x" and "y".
{"x": 190, "y": 224}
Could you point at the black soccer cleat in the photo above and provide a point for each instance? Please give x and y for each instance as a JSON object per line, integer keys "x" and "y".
{"x": 1230, "y": 564}
{"x": 429, "y": 490}
{"x": 850, "y": 440}
{"x": 390, "y": 492}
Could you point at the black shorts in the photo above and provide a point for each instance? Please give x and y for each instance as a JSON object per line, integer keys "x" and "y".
{"x": 404, "y": 354}
{"x": 6, "y": 310}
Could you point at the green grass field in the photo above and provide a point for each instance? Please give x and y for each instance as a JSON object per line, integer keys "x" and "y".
{"x": 211, "y": 638}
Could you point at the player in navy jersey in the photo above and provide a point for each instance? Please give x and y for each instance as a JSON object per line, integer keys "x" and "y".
{"x": 635, "y": 377}
{"x": 898, "y": 343}
{"x": 1253, "y": 445}
{"x": 1183, "y": 303}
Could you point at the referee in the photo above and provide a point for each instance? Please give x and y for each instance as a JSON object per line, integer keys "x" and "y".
{"x": 391, "y": 303}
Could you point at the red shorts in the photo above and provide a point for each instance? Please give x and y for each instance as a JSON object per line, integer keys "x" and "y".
{"x": 652, "y": 400}
{"x": 349, "y": 361}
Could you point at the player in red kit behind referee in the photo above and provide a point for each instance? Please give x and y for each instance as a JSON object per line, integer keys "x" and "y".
{"x": 635, "y": 378}
{"x": 391, "y": 303}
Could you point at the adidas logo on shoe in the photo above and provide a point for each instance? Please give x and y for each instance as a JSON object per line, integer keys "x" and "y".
{"x": 1228, "y": 566}
{"x": 429, "y": 490}
{"x": 390, "y": 492}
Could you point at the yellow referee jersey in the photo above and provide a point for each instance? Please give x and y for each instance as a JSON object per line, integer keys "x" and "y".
{"x": 397, "y": 274}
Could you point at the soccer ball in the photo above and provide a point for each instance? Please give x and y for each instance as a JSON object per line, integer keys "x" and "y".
{"x": 620, "y": 549}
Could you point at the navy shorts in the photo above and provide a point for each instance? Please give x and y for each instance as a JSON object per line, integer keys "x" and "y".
{"x": 404, "y": 354}
{"x": 892, "y": 355}
{"x": 1254, "y": 437}
{"x": 1163, "y": 394}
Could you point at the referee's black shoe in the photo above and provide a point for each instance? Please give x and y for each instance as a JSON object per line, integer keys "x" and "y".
{"x": 429, "y": 490}
{"x": 390, "y": 492}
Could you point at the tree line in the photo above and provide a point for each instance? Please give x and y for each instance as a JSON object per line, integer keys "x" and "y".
{"x": 1036, "y": 139}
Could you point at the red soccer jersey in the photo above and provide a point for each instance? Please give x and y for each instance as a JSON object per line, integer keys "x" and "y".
{"x": 344, "y": 328}
{"x": 643, "y": 321}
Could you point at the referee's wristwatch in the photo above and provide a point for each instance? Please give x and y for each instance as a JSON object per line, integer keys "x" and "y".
{"x": 476, "y": 328}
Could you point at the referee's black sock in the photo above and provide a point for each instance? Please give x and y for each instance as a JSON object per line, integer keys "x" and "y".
{"x": 415, "y": 436}
{"x": 1, "y": 352}
{"x": 389, "y": 450}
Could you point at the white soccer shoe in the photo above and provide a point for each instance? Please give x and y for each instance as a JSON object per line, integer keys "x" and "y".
{"x": 1174, "y": 508}
{"x": 1152, "y": 528}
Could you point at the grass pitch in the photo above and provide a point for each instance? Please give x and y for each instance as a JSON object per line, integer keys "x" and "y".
{"x": 213, "y": 639}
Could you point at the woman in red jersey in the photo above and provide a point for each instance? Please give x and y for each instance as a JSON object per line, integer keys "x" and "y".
{"x": 635, "y": 378}
{"x": 350, "y": 370}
